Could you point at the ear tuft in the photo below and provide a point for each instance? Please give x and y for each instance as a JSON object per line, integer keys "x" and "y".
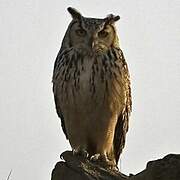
{"x": 111, "y": 18}
{"x": 74, "y": 13}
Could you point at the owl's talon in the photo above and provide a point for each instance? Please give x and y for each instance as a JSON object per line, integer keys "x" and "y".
{"x": 80, "y": 152}
{"x": 61, "y": 156}
{"x": 104, "y": 161}
{"x": 95, "y": 157}
{"x": 74, "y": 151}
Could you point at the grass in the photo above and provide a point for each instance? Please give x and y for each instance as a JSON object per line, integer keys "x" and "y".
{"x": 9, "y": 175}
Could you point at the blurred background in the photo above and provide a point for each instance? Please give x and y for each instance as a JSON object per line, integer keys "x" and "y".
{"x": 31, "y": 138}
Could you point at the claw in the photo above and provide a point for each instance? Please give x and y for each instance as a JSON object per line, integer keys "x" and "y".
{"x": 95, "y": 157}
{"x": 85, "y": 154}
{"x": 80, "y": 152}
{"x": 99, "y": 157}
{"x": 75, "y": 151}
{"x": 103, "y": 160}
{"x": 61, "y": 156}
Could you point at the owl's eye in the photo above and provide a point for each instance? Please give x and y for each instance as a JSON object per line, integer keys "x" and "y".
{"x": 103, "y": 34}
{"x": 80, "y": 32}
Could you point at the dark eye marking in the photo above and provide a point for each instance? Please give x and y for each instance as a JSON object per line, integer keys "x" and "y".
{"x": 80, "y": 32}
{"x": 103, "y": 34}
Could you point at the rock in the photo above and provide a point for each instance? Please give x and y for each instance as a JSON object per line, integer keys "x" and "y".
{"x": 78, "y": 168}
{"x": 167, "y": 168}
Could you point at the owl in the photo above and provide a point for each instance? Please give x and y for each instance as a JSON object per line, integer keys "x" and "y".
{"x": 91, "y": 87}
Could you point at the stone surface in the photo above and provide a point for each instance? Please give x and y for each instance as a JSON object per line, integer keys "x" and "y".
{"x": 167, "y": 168}
{"x": 78, "y": 168}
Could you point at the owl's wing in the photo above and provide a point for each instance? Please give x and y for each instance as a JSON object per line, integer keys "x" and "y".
{"x": 60, "y": 114}
{"x": 123, "y": 119}
{"x": 56, "y": 99}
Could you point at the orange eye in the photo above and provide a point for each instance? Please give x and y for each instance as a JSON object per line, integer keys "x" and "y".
{"x": 103, "y": 34}
{"x": 80, "y": 32}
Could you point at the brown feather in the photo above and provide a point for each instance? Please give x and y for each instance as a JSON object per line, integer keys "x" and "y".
{"x": 123, "y": 119}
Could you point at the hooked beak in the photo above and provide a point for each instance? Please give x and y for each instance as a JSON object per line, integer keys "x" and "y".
{"x": 92, "y": 44}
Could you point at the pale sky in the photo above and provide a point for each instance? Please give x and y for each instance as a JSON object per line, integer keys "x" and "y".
{"x": 31, "y": 138}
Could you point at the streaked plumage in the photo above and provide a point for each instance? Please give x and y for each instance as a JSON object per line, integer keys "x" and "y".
{"x": 92, "y": 88}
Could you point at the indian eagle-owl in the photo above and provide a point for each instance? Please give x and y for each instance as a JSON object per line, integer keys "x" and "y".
{"x": 91, "y": 88}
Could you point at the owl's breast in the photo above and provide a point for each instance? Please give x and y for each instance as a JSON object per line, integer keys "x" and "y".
{"x": 89, "y": 83}
{"x": 74, "y": 81}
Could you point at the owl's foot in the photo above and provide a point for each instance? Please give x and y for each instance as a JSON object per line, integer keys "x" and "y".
{"x": 103, "y": 160}
{"x": 95, "y": 157}
{"x": 80, "y": 152}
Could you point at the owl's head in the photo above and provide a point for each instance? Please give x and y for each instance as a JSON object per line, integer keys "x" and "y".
{"x": 91, "y": 34}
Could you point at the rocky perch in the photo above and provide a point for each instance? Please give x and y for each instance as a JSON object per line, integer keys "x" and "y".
{"x": 78, "y": 168}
